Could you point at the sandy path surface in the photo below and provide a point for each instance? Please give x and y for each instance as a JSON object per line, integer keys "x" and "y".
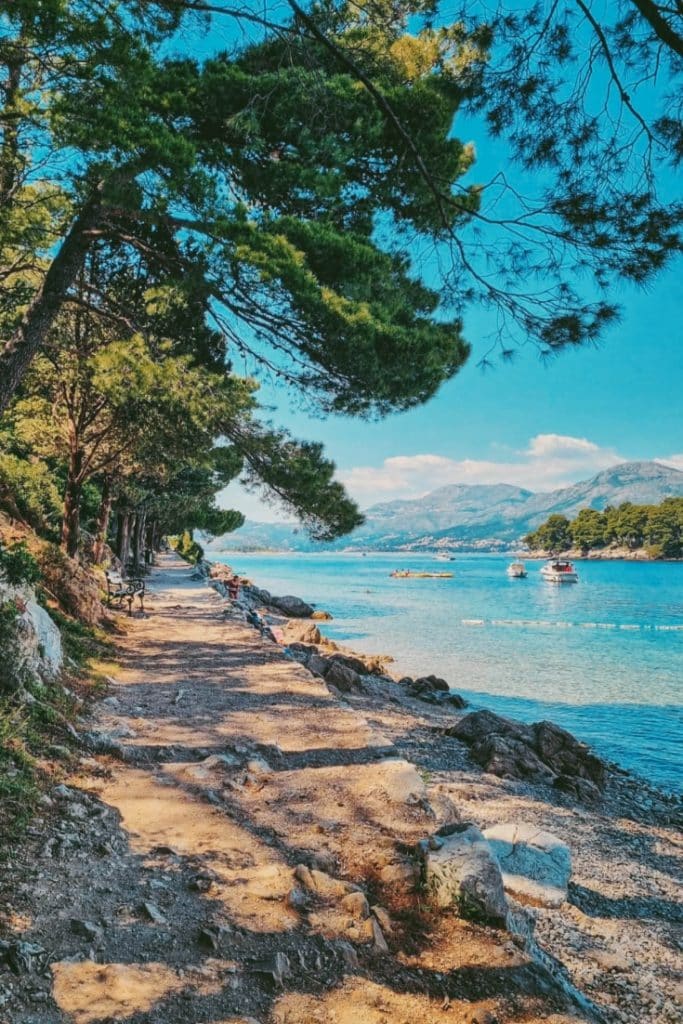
{"x": 248, "y": 859}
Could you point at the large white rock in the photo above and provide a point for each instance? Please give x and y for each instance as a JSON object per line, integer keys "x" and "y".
{"x": 38, "y": 652}
{"x": 535, "y": 864}
{"x": 48, "y": 639}
{"x": 462, "y": 872}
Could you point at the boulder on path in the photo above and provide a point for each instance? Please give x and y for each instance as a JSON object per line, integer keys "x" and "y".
{"x": 542, "y": 751}
{"x": 341, "y": 676}
{"x": 535, "y": 864}
{"x": 301, "y": 632}
{"x": 292, "y": 606}
{"x": 461, "y": 872}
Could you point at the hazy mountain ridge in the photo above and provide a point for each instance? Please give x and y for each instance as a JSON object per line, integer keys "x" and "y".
{"x": 477, "y": 515}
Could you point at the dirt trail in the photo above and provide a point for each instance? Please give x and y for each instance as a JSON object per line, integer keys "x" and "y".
{"x": 225, "y": 869}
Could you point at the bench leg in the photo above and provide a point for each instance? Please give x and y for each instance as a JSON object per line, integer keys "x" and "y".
{"x": 130, "y": 604}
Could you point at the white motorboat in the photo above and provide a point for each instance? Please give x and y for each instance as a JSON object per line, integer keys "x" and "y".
{"x": 517, "y": 570}
{"x": 443, "y": 557}
{"x": 559, "y": 570}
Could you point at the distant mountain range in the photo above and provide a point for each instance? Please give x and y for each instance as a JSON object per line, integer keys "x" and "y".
{"x": 469, "y": 517}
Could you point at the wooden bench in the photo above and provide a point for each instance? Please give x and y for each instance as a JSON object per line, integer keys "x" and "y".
{"x": 122, "y": 589}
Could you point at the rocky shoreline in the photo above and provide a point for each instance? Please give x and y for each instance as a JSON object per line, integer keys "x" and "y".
{"x": 555, "y": 814}
{"x": 614, "y": 554}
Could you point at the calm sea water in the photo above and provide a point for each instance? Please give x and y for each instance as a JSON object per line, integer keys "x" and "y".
{"x": 603, "y": 658}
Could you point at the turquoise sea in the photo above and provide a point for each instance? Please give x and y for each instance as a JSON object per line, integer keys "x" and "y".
{"x": 603, "y": 658}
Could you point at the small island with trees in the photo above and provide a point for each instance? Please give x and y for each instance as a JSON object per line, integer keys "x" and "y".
{"x": 628, "y": 531}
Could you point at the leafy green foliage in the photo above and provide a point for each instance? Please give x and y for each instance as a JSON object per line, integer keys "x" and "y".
{"x": 17, "y": 565}
{"x": 298, "y": 476}
{"x": 11, "y": 675}
{"x": 553, "y": 535}
{"x": 256, "y": 181}
{"x": 588, "y": 529}
{"x": 187, "y": 547}
{"x": 28, "y": 489}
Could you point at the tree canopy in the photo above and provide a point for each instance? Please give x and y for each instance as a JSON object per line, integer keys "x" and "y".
{"x": 296, "y": 197}
{"x": 256, "y": 178}
{"x": 284, "y": 179}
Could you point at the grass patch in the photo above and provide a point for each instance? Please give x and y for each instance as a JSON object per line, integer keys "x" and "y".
{"x": 35, "y": 742}
{"x": 81, "y": 643}
{"x": 29, "y": 731}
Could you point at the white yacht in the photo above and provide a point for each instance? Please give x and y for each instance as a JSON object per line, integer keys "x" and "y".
{"x": 517, "y": 570}
{"x": 559, "y": 570}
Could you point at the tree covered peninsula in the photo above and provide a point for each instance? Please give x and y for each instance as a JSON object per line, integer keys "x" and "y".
{"x": 656, "y": 531}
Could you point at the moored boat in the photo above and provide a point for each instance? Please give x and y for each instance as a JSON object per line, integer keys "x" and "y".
{"x": 559, "y": 570}
{"x": 404, "y": 574}
{"x": 517, "y": 570}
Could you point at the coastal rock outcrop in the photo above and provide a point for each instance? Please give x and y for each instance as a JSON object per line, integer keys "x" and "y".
{"x": 542, "y": 751}
{"x": 344, "y": 670}
{"x": 292, "y": 606}
{"x": 535, "y": 864}
{"x": 433, "y": 683}
{"x": 461, "y": 872}
{"x": 340, "y": 675}
{"x": 299, "y": 632}
{"x": 433, "y": 690}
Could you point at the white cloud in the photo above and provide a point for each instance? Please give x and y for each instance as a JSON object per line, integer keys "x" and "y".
{"x": 672, "y": 460}
{"x": 549, "y": 461}
{"x": 543, "y": 445}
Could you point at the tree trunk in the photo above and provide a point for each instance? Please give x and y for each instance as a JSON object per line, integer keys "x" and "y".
{"x": 103, "y": 515}
{"x": 139, "y": 541}
{"x": 123, "y": 537}
{"x": 10, "y": 142}
{"x": 17, "y": 353}
{"x": 71, "y": 518}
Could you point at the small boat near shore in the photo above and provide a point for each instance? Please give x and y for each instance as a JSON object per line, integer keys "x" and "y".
{"x": 442, "y": 557}
{"x": 517, "y": 571}
{"x": 559, "y": 570}
{"x": 406, "y": 574}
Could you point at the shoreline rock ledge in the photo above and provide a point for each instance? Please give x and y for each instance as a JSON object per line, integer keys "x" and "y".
{"x": 542, "y": 752}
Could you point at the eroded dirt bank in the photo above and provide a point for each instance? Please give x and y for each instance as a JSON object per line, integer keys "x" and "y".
{"x": 245, "y": 855}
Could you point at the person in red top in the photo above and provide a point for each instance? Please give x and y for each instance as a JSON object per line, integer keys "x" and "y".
{"x": 234, "y": 588}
